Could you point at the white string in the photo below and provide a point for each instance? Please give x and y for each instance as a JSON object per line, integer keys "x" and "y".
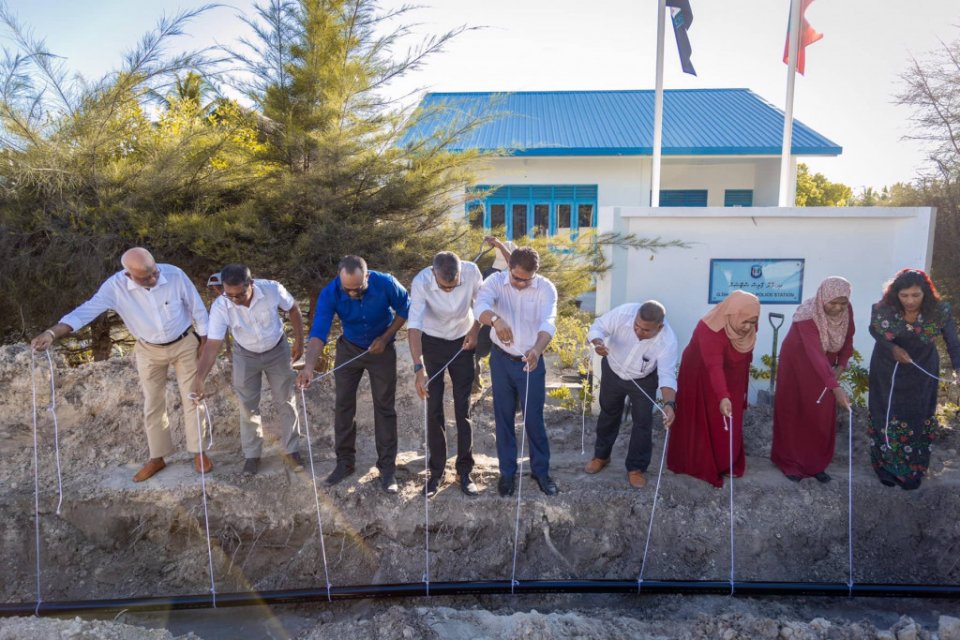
{"x": 36, "y": 477}
{"x": 583, "y": 401}
{"x": 652, "y": 401}
{"x": 653, "y": 511}
{"x": 206, "y": 516}
{"x": 886, "y": 426}
{"x": 316, "y": 493}
{"x": 850, "y": 503}
{"x": 730, "y": 476}
{"x": 822, "y": 393}
{"x": 426, "y": 467}
{"x": 198, "y": 400}
{"x": 56, "y": 430}
{"x": 944, "y": 380}
{"x": 338, "y": 367}
{"x": 516, "y": 530}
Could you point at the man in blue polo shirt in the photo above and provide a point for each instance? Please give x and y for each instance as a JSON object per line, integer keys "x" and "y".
{"x": 372, "y": 307}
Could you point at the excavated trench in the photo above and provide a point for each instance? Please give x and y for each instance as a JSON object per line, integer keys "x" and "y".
{"x": 117, "y": 539}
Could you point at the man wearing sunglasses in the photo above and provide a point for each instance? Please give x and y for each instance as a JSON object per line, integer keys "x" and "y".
{"x": 250, "y": 310}
{"x": 162, "y": 309}
{"x": 640, "y": 353}
{"x": 442, "y": 331}
{"x": 521, "y": 306}
{"x": 372, "y": 306}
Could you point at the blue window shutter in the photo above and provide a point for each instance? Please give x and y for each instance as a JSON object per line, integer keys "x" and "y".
{"x": 683, "y": 198}
{"x": 738, "y": 198}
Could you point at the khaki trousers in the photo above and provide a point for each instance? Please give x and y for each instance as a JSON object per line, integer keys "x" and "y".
{"x": 153, "y": 363}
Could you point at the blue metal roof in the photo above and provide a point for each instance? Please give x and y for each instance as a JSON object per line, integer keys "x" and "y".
{"x": 699, "y": 122}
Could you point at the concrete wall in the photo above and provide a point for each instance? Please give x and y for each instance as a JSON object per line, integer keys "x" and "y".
{"x": 866, "y": 245}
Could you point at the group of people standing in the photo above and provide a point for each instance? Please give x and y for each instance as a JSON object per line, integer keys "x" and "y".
{"x": 448, "y": 305}
{"x": 707, "y": 399}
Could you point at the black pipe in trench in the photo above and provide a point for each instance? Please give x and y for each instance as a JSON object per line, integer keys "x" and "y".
{"x": 418, "y": 589}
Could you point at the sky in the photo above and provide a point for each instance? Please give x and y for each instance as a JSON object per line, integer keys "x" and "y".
{"x": 853, "y": 74}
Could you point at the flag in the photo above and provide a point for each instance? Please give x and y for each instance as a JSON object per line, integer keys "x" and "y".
{"x": 682, "y": 17}
{"x": 808, "y": 35}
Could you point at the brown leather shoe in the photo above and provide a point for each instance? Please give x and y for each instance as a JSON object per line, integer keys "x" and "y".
{"x": 595, "y": 465}
{"x": 207, "y": 464}
{"x": 637, "y": 479}
{"x": 149, "y": 469}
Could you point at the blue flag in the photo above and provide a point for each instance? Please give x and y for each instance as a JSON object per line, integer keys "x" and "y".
{"x": 682, "y": 18}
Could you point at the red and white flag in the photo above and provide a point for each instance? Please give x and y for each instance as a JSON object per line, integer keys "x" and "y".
{"x": 808, "y": 35}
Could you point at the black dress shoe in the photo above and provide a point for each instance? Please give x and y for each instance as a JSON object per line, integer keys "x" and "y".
{"x": 823, "y": 477}
{"x": 547, "y": 485}
{"x": 468, "y": 487}
{"x": 910, "y": 485}
{"x": 250, "y": 466}
{"x": 505, "y": 486}
{"x": 389, "y": 483}
{"x": 433, "y": 484}
{"x": 794, "y": 478}
{"x": 339, "y": 473}
{"x": 887, "y": 479}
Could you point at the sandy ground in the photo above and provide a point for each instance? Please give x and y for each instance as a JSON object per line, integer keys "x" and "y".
{"x": 115, "y": 538}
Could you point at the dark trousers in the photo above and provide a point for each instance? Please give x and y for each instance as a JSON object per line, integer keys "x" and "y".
{"x": 613, "y": 393}
{"x": 509, "y": 384}
{"x": 382, "y": 369}
{"x": 436, "y": 353}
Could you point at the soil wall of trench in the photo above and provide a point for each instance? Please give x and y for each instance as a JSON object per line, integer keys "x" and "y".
{"x": 116, "y": 538}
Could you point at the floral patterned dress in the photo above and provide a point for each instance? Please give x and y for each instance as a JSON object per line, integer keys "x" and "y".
{"x": 901, "y": 448}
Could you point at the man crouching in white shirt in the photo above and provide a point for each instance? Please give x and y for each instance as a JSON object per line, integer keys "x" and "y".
{"x": 160, "y": 307}
{"x": 521, "y": 306}
{"x": 249, "y": 308}
{"x": 639, "y": 352}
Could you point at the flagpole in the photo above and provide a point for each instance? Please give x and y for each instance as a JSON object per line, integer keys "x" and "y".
{"x": 788, "y": 110}
{"x": 658, "y": 107}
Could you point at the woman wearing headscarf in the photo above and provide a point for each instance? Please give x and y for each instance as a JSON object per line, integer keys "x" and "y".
{"x": 905, "y": 324}
{"x": 712, "y": 388}
{"x": 815, "y": 351}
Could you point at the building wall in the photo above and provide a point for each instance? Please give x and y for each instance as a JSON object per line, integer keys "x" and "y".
{"x": 866, "y": 245}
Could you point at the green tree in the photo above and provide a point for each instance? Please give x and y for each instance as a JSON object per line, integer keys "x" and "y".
{"x": 814, "y": 190}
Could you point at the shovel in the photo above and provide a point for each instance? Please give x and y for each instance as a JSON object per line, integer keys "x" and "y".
{"x": 776, "y": 321}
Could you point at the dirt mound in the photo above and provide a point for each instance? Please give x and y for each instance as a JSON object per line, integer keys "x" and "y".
{"x": 114, "y": 538}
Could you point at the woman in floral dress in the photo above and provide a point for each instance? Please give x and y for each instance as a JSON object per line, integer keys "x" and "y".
{"x": 905, "y": 324}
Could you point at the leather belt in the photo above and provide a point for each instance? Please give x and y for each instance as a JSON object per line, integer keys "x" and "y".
{"x": 183, "y": 335}
{"x": 509, "y": 356}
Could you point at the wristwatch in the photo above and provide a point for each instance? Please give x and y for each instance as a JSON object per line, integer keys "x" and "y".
{"x": 493, "y": 319}
{"x": 417, "y": 367}
{"x": 671, "y": 404}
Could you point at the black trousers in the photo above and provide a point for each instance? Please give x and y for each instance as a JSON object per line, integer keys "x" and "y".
{"x": 613, "y": 394}
{"x": 382, "y": 369}
{"x": 436, "y": 353}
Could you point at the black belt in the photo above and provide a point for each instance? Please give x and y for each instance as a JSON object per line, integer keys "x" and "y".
{"x": 509, "y": 356}
{"x": 183, "y": 335}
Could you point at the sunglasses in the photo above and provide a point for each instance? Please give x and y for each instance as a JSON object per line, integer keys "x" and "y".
{"x": 519, "y": 279}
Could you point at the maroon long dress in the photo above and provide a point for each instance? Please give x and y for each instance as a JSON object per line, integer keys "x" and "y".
{"x": 804, "y": 432}
{"x": 710, "y": 370}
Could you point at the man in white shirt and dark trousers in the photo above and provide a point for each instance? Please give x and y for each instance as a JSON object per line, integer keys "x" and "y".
{"x": 638, "y": 348}
{"x": 521, "y": 306}
{"x": 250, "y": 310}
{"x": 440, "y": 324}
{"x": 162, "y": 309}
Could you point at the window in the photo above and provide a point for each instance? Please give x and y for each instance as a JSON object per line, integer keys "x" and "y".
{"x": 541, "y": 220}
{"x": 683, "y": 198}
{"x": 537, "y": 210}
{"x": 738, "y": 198}
{"x": 519, "y": 221}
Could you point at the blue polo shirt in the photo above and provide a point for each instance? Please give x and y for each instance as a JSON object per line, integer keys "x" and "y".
{"x": 365, "y": 319}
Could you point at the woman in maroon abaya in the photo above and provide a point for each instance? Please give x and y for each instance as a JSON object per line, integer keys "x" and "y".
{"x": 815, "y": 351}
{"x": 712, "y": 385}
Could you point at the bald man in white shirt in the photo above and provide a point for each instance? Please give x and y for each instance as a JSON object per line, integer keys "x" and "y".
{"x": 640, "y": 353}
{"x": 162, "y": 309}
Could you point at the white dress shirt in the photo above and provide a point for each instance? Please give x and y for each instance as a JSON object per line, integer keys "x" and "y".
{"x": 256, "y": 328}
{"x": 528, "y": 311}
{"x": 158, "y": 314}
{"x": 444, "y": 314}
{"x": 632, "y": 358}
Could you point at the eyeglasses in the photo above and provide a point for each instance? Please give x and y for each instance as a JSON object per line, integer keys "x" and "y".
{"x": 519, "y": 279}
{"x": 447, "y": 287}
{"x": 238, "y": 296}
